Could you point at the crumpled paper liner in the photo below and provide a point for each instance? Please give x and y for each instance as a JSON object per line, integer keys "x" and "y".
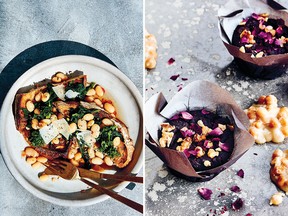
{"x": 230, "y": 15}
{"x": 196, "y": 95}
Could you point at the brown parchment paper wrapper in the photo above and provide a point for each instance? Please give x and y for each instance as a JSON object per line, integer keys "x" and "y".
{"x": 231, "y": 14}
{"x": 196, "y": 95}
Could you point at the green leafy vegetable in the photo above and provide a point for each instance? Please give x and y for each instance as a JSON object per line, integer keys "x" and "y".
{"x": 80, "y": 112}
{"x": 36, "y": 139}
{"x": 26, "y": 113}
{"x": 45, "y": 112}
{"x": 46, "y": 107}
{"x": 52, "y": 97}
{"x": 80, "y": 88}
{"x": 107, "y": 134}
{"x": 83, "y": 146}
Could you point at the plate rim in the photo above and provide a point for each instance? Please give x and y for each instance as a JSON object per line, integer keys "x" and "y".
{"x": 56, "y": 60}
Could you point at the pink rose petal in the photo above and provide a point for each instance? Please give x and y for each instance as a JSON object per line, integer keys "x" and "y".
{"x": 216, "y": 132}
{"x": 208, "y": 144}
{"x": 194, "y": 152}
{"x": 237, "y": 204}
{"x": 174, "y": 77}
{"x": 186, "y": 152}
{"x": 205, "y": 193}
{"x": 235, "y": 189}
{"x": 186, "y": 132}
{"x": 186, "y": 115}
{"x": 175, "y": 117}
{"x": 240, "y": 173}
{"x": 204, "y": 112}
{"x": 279, "y": 30}
{"x": 171, "y": 61}
{"x": 224, "y": 146}
{"x": 221, "y": 194}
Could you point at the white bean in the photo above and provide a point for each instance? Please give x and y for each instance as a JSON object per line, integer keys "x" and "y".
{"x": 108, "y": 161}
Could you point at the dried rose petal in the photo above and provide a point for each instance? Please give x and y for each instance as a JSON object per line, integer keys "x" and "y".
{"x": 264, "y": 35}
{"x": 186, "y": 132}
{"x": 186, "y": 152}
{"x": 271, "y": 41}
{"x": 279, "y": 42}
{"x": 235, "y": 189}
{"x": 223, "y": 209}
{"x": 196, "y": 128}
{"x": 193, "y": 152}
{"x": 249, "y": 214}
{"x": 186, "y": 115}
{"x": 208, "y": 144}
{"x": 179, "y": 89}
{"x": 221, "y": 194}
{"x": 255, "y": 16}
{"x": 237, "y": 204}
{"x": 216, "y": 139}
{"x": 174, "y": 77}
{"x": 279, "y": 30}
{"x": 204, "y": 112}
{"x": 240, "y": 173}
{"x": 205, "y": 193}
{"x": 224, "y": 146}
{"x": 171, "y": 61}
{"x": 244, "y": 40}
{"x": 216, "y": 132}
{"x": 175, "y": 117}
{"x": 184, "y": 79}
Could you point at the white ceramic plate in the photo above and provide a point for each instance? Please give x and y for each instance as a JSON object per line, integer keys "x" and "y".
{"x": 128, "y": 102}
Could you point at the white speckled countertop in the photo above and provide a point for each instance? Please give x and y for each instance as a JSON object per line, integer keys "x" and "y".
{"x": 187, "y": 31}
{"x": 111, "y": 27}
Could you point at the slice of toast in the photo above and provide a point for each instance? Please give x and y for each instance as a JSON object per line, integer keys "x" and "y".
{"x": 22, "y": 98}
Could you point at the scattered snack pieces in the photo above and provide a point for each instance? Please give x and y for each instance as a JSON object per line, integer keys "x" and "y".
{"x": 261, "y": 35}
{"x": 205, "y": 137}
{"x": 150, "y": 50}
{"x": 268, "y": 122}
{"x": 279, "y": 169}
{"x": 277, "y": 198}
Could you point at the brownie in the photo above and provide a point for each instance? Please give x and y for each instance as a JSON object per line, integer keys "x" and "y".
{"x": 260, "y": 35}
{"x": 210, "y": 137}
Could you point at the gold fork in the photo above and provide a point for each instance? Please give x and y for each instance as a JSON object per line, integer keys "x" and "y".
{"x": 70, "y": 172}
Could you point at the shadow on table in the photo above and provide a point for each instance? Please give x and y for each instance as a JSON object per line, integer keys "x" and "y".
{"x": 41, "y": 52}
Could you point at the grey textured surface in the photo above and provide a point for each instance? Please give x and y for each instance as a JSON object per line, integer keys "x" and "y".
{"x": 187, "y": 31}
{"x": 112, "y": 27}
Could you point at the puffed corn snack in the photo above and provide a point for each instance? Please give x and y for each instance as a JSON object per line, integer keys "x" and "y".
{"x": 279, "y": 169}
{"x": 150, "y": 50}
{"x": 268, "y": 122}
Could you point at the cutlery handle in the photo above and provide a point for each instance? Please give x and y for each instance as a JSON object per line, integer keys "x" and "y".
{"x": 138, "y": 207}
{"x": 96, "y": 176}
{"x": 123, "y": 177}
